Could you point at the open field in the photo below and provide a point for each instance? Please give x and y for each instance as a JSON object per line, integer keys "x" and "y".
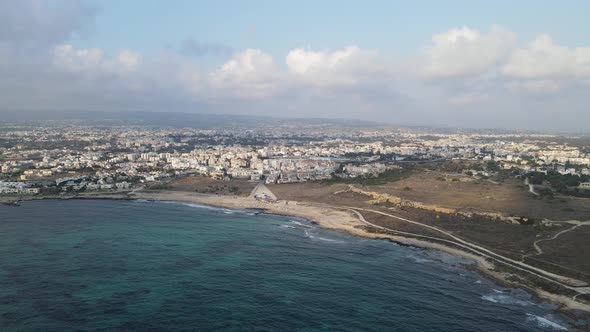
{"x": 207, "y": 185}
{"x": 569, "y": 251}
{"x": 466, "y": 194}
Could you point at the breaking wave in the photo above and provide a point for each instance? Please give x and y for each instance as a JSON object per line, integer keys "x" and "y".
{"x": 313, "y": 237}
{"x": 504, "y": 299}
{"x": 419, "y": 260}
{"x": 545, "y": 323}
{"x": 300, "y": 224}
{"x": 204, "y": 207}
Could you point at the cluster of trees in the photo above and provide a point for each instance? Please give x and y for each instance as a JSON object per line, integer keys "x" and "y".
{"x": 562, "y": 183}
{"x": 383, "y": 178}
{"x": 556, "y": 179}
{"x": 458, "y": 167}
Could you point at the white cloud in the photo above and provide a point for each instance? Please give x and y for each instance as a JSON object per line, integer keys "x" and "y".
{"x": 465, "y": 51}
{"x": 128, "y": 60}
{"x": 44, "y": 69}
{"x": 93, "y": 62}
{"x": 542, "y": 58}
{"x": 250, "y": 73}
{"x": 67, "y": 58}
{"x": 344, "y": 67}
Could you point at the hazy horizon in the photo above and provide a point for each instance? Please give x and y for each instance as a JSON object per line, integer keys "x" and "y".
{"x": 453, "y": 64}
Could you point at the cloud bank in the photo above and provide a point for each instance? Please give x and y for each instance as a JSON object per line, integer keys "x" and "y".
{"x": 461, "y": 77}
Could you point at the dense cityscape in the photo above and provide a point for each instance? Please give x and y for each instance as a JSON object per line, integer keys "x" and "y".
{"x": 83, "y": 158}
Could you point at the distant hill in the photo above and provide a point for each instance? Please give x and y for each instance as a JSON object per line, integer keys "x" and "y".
{"x": 168, "y": 119}
{"x": 207, "y": 121}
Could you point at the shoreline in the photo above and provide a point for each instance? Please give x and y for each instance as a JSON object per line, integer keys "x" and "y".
{"x": 334, "y": 219}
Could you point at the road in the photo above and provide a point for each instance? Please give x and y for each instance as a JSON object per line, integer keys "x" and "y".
{"x": 577, "y": 286}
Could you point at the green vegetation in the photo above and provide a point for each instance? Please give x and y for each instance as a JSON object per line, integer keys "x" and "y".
{"x": 160, "y": 186}
{"x": 558, "y": 181}
{"x": 493, "y": 166}
{"x": 565, "y": 184}
{"x": 456, "y": 166}
{"x": 545, "y": 192}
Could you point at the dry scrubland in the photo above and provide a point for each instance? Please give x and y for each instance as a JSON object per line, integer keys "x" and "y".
{"x": 510, "y": 196}
{"x": 207, "y": 185}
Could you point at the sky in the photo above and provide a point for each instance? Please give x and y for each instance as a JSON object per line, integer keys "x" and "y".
{"x": 501, "y": 64}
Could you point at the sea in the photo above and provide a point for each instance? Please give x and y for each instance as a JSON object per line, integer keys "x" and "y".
{"x": 101, "y": 265}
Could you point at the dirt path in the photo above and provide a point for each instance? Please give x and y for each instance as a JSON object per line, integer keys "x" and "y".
{"x": 536, "y": 243}
{"x": 531, "y": 187}
{"x": 577, "y": 286}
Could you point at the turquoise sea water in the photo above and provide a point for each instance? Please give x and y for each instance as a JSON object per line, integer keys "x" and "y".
{"x": 155, "y": 266}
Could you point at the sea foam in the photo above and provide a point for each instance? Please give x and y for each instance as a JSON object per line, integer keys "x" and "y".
{"x": 313, "y": 237}
{"x": 545, "y": 323}
{"x": 504, "y": 299}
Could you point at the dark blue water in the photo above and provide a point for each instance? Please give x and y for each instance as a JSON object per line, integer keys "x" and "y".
{"x": 148, "y": 266}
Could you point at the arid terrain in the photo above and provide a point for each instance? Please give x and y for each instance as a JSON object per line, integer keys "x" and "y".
{"x": 462, "y": 192}
{"x": 207, "y": 185}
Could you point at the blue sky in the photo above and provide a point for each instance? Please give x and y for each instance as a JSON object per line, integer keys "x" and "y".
{"x": 278, "y": 26}
{"x": 518, "y": 64}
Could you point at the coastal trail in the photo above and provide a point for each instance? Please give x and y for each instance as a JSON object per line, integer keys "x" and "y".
{"x": 536, "y": 243}
{"x": 574, "y": 285}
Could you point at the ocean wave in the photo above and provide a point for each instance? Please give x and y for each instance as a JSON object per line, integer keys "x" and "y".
{"x": 504, "y": 299}
{"x": 313, "y": 237}
{"x": 294, "y": 224}
{"x": 300, "y": 224}
{"x": 206, "y": 207}
{"x": 419, "y": 260}
{"x": 327, "y": 240}
{"x": 545, "y": 323}
{"x": 203, "y": 207}
{"x": 141, "y": 200}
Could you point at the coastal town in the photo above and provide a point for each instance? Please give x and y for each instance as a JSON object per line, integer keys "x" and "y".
{"x": 66, "y": 159}
{"x": 294, "y": 166}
